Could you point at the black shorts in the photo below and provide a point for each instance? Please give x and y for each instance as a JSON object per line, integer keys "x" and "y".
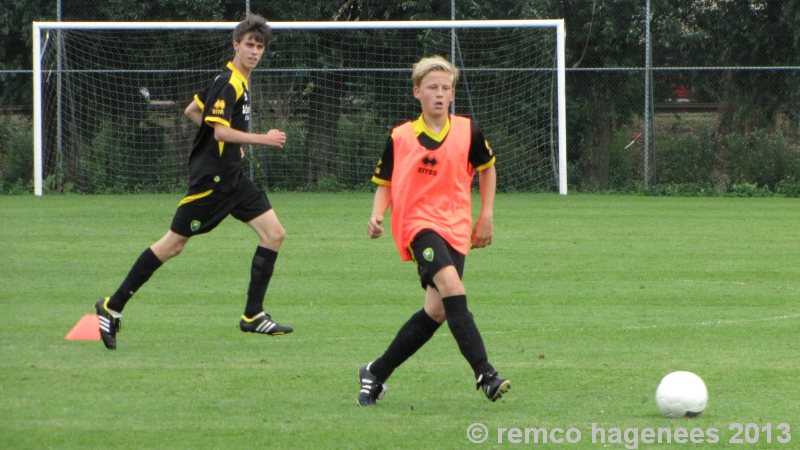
{"x": 198, "y": 214}
{"x": 432, "y": 253}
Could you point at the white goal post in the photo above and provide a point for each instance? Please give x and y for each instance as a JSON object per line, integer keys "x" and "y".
{"x": 77, "y": 104}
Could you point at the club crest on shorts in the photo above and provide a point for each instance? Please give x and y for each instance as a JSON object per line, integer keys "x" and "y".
{"x": 428, "y": 254}
{"x": 195, "y": 225}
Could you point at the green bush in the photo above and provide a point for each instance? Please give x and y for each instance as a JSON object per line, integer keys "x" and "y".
{"x": 357, "y": 147}
{"x": 624, "y": 164}
{"x": 760, "y": 158}
{"x": 689, "y": 159}
{"x": 280, "y": 168}
{"x": 789, "y": 187}
{"x": 683, "y": 190}
{"x": 102, "y": 160}
{"x": 106, "y": 167}
{"x": 749, "y": 190}
{"x": 704, "y": 162}
{"x": 16, "y": 155}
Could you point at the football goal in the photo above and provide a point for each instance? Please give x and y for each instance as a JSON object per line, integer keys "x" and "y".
{"x": 109, "y": 99}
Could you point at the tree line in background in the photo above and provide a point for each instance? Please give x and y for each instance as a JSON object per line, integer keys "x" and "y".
{"x": 751, "y": 139}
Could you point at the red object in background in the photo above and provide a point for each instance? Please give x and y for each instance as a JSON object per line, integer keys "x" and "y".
{"x": 681, "y": 93}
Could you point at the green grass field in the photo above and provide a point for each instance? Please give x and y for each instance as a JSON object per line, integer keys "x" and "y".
{"x": 584, "y": 302}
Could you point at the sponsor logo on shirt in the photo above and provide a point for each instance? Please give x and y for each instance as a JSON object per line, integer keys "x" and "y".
{"x": 219, "y": 108}
{"x": 428, "y": 165}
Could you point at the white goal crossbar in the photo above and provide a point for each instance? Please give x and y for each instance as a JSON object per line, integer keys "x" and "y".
{"x": 39, "y": 27}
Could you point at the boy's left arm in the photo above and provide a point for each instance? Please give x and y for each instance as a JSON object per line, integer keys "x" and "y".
{"x": 194, "y": 113}
{"x": 484, "y": 226}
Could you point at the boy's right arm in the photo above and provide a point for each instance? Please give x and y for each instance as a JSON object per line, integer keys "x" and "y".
{"x": 272, "y": 138}
{"x": 383, "y": 197}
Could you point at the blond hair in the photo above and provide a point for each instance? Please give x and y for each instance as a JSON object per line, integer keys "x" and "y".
{"x": 433, "y": 63}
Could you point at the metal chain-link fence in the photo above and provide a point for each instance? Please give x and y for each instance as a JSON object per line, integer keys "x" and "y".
{"x": 722, "y": 109}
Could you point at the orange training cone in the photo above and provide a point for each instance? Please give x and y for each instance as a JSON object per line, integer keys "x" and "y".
{"x": 87, "y": 329}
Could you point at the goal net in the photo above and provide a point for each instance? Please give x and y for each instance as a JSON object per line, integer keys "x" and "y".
{"x": 109, "y": 99}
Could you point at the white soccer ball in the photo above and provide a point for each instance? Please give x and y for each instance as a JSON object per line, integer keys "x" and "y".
{"x": 681, "y": 394}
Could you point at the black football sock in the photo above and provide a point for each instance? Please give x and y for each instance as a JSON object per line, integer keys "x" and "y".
{"x": 466, "y": 333}
{"x": 140, "y": 272}
{"x": 260, "y": 273}
{"x": 410, "y": 338}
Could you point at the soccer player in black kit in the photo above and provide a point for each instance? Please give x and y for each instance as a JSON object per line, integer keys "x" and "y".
{"x": 217, "y": 188}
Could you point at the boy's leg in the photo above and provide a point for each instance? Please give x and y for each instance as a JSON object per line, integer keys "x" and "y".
{"x": 271, "y": 235}
{"x": 170, "y": 245}
{"x": 261, "y": 269}
{"x": 109, "y": 309}
{"x": 441, "y": 267}
{"x": 140, "y": 272}
{"x": 417, "y": 330}
{"x": 465, "y": 331}
{"x": 460, "y": 320}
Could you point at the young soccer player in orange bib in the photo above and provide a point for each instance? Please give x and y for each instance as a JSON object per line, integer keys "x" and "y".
{"x": 425, "y": 174}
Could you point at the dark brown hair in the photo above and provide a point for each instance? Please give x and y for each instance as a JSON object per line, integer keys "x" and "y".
{"x": 253, "y": 24}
